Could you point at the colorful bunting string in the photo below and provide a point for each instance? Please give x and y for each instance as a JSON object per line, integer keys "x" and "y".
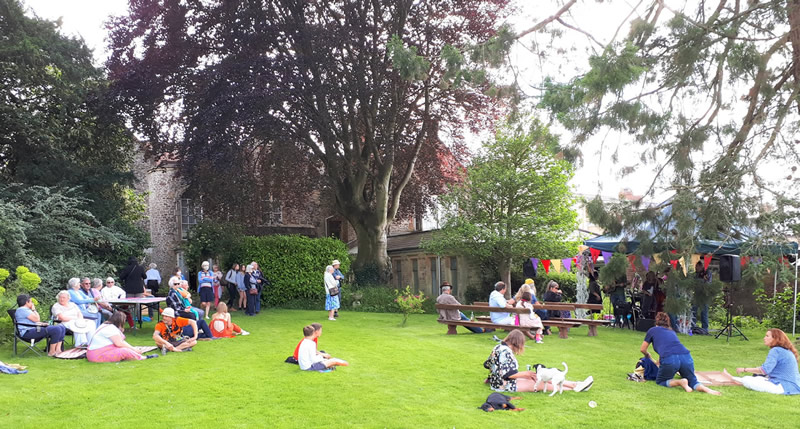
{"x": 606, "y": 257}
{"x": 645, "y": 262}
{"x": 546, "y": 263}
{"x": 706, "y": 261}
{"x": 595, "y": 254}
{"x": 567, "y": 263}
{"x": 556, "y": 264}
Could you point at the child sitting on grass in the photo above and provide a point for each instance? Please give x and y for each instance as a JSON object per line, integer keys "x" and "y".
{"x": 221, "y": 325}
{"x": 309, "y": 358}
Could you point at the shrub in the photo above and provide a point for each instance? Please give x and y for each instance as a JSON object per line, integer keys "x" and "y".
{"x": 377, "y": 299}
{"x": 294, "y": 265}
{"x": 777, "y": 313}
{"x": 23, "y": 281}
{"x": 409, "y": 302}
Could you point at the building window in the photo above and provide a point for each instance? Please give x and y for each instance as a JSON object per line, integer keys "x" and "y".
{"x": 191, "y": 213}
{"x": 434, "y": 278}
{"x": 272, "y": 211}
{"x": 415, "y": 274}
{"x": 454, "y": 272}
{"x": 399, "y": 273}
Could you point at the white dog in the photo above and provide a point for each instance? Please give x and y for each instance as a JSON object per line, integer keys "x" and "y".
{"x": 553, "y": 375}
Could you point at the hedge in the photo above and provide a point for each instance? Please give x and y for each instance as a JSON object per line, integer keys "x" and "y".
{"x": 294, "y": 265}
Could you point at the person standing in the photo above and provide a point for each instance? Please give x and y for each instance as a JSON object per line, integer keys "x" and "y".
{"x": 250, "y": 281}
{"x": 217, "y": 285}
{"x": 261, "y": 283}
{"x": 153, "y": 279}
{"x": 133, "y": 276}
{"x": 339, "y": 277}
{"x": 648, "y": 294}
{"x": 704, "y": 276}
{"x": 447, "y": 298}
{"x": 233, "y": 292}
{"x": 331, "y": 292}
{"x": 241, "y": 287}
{"x": 205, "y": 286}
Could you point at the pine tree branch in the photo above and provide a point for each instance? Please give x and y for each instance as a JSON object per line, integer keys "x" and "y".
{"x": 546, "y": 21}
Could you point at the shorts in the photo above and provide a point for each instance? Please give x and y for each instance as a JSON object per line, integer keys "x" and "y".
{"x": 206, "y": 294}
{"x": 317, "y": 366}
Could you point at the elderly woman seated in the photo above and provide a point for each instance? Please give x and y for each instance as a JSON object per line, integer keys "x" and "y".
{"x": 31, "y": 326}
{"x": 70, "y": 316}
{"x": 80, "y": 292}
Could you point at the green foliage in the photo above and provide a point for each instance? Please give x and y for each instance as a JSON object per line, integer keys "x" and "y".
{"x": 678, "y": 290}
{"x": 379, "y": 299}
{"x": 23, "y": 281}
{"x": 613, "y": 269}
{"x": 294, "y": 265}
{"x": 778, "y": 311}
{"x": 704, "y": 293}
{"x": 53, "y": 234}
{"x": 515, "y": 201}
{"x": 406, "y": 61}
{"x": 220, "y": 241}
{"x": 409, "y": 303}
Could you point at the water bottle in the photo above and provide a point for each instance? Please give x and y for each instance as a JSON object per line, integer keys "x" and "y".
{"x": 472, "y": 316}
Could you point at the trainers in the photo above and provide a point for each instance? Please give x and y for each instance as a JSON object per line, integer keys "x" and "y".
{"x": 245, "y": 332}
{"x": 163, "y": 350}
{"x": 331, "y": 318}
{"x": 585, "y": 384}
{"x": 539, "y": 342}
{"x": 151, "y": 356}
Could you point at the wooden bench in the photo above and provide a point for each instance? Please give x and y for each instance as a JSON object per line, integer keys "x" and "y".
{"x": 571, "y": 307}
{"x": 562, "y": 325}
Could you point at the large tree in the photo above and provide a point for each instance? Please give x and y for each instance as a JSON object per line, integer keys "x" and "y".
{"x": 367, "y": 92}
{"x": 515, "y": 202}
{"x": 64, "y": 142}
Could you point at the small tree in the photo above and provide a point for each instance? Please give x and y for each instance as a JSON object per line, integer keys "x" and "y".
{"x": 515, "y": 201}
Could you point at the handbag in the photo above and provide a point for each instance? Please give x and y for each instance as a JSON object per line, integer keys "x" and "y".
{"x": 92, "y": 308}
{"x": 253, "y": 291}
{"x": 333, "y": 291}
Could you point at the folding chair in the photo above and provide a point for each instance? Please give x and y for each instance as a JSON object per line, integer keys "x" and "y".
{"x": 30, "y": 345}
{"x": 67, "y": 333}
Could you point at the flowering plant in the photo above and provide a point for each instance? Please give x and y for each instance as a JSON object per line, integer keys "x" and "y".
{"x": 409, "y": 303}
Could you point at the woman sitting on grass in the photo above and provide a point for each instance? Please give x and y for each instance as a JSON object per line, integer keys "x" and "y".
{"x": 221, "y": 325}
{"x": 673, "y": 357}
{"x": 780, "y": 368}
{"x": 307, "y": 356}
{"x": 108, "y": 343}
{"x": 504, "y": 374}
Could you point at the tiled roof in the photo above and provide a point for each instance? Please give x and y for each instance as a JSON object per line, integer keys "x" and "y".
{"x": 409, "y": 241}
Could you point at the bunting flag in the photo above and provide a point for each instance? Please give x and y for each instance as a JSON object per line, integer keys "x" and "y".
{"x": 582, "y": 247}
{"x": 631, "y": 259}
{"x": 645, "y": 262}
{"x": 567, "y": 263}
{"x": 757, "y": 261}
{"x": 606, "y": 257}
{"x": 657, "y": 258}
{"x": 546, "y": 263}
{"x": 595, "y": 254}
{"x": 744, "y": 260}
{"x": 556, "y": 265}
{"x": 695, "y": 259}
{"x": 682, "y": 260}
{"x": 706, "y": 260}
{"x": 674, "y": 264}
{"x": 535, "y": 264}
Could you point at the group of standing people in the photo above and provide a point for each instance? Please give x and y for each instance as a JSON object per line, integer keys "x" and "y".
{"x": 332, "y": 281}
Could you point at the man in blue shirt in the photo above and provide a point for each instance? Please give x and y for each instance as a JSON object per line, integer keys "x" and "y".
{"x": 498, "y": 299}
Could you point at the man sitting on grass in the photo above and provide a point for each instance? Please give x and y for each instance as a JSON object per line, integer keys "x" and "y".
{"x": 307, "y": 356}
{"x": 171, "y": 331}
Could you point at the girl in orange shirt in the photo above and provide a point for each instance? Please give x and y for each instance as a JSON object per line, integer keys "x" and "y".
{"x": 221, "y": 325}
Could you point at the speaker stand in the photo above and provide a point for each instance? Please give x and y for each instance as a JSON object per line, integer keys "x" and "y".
{"x": 729, "y": 328}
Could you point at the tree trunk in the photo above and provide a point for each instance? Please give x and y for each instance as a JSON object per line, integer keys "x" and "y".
{"x": 372, "y": 265}
{"x": 505, "y": 275}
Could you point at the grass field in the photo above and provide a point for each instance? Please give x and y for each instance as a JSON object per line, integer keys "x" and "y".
{"x": 411, "y": 377}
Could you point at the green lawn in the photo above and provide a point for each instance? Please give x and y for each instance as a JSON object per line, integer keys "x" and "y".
{"x": 412, "y": 377}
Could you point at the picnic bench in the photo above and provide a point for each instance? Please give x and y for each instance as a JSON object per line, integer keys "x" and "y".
{"x": 555, "y": 306}
{"x": 562, "y": 325}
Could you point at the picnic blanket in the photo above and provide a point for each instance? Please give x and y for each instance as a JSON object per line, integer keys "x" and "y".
{"x": 714, "y": 378}
{"x": 78, "y": 353}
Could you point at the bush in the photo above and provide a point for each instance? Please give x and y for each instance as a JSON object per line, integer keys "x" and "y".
{"x": 294, "y": 265}
{"x": 377, "y": 299}
{"x": 409, "y": 302}
{"x": 24, "y": 281}
{"x": 777, "y": 314}
{"x": 217, "y": 240}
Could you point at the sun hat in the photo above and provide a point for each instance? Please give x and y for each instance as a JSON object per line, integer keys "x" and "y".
{"x": 336, "y": 262}
{"x": 81, "y": 326}
{"x": 168, "y": 312}
{"x": 528, "y": 281}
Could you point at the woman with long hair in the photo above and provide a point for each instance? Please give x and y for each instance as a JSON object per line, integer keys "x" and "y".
{"x": 673, "y": 357}
{"x": 108, "y": 343}
{"x": 780, "y": 368}
{"x": 504, "y": 373}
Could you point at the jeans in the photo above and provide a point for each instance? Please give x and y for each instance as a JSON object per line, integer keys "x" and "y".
{"x": 673, "y": 320}
{"x": 475, "y": 330}
{"x": 54, "y": 332}
{"x": 233, "y": 294}
{"x": 202, "y": 326}
{"x": 670, "y": 365}
{"x": 258, "y": 299}
{"x": 703, "y": 316}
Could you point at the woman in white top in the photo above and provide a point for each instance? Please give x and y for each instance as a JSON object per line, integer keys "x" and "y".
{"x": 70, "y": 315}
{"x": 331, "y": 300}
{"x": 307, "y": 356}
{"x": 108, "y": 343}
